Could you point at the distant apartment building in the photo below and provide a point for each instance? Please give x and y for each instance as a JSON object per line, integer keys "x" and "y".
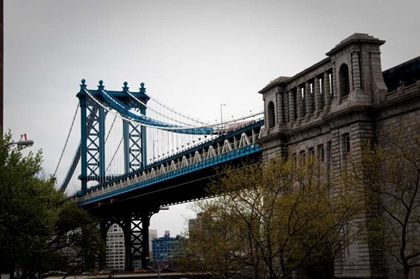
{"x": 166, "y": 248}
{"x": 115, "y": 250}
{"x": 152, "y": 235}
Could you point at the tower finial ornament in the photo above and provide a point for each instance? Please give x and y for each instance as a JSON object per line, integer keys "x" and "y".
{"x": 101, "y": 86}
{"x": 142, "y": 88}
{"x": 125, "y": 87}
{"x": 83, "y": 85}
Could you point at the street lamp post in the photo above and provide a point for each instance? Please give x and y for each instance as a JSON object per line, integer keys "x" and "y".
{"x": 154, "y": 150}
{"x": 221, "y": 115}
{"x": 157, "y": 262}
{"x": 24, "y": 143}
{"x": 158, "y": 267}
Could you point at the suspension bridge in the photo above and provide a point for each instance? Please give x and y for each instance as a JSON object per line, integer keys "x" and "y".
{"x": 127, "y": 165}
{"x": 327, "y": 110}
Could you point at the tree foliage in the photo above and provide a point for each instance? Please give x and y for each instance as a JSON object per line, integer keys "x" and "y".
{"x": 391, "y": 176}
{"x": 273, "y": 220}
{"x": 40, "y": 228}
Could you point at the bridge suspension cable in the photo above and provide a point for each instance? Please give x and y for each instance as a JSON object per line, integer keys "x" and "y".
{"x": 110, "y": 128}
{"x": 67, "y": 139}
{"x": 161, "y": 114}
{"x": 189, "y": 118}
{"x": 126, "y": 114}
{"x": 106, "y": 140}
{"x": 177, "y": 113}
{"x": 77, "y": 155}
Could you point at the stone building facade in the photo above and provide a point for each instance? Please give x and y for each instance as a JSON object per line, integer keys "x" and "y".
{"x": 330, "y": 109}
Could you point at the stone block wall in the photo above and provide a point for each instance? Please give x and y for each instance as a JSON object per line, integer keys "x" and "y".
{"x": 398, "y": 122}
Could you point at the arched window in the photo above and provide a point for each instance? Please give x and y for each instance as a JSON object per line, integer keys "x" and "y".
{"x": 271, "y": 117}
{"x": 343, "y": 74}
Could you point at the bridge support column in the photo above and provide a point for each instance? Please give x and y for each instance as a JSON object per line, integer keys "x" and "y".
{"x": 145, "y": 240}
{"x": 136, "y": 236}
{"x": 103, "y": 229}
{"x": 128, "y": 243}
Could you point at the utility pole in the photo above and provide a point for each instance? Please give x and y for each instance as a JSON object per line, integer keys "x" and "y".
{"x": 221, "y": 117}
{"x": 1, "y": 65}
{"x": 11, "y": 266}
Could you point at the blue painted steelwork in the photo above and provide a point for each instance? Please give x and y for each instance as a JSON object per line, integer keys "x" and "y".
{"x": 126, "y": 146}
{"x": 101, "y": 161}
{"x": 92, "y": 145}
{"x": 135, "y": 156}
{"x": 92, "y": 138}
{"x": 125, "y": 111}
{"x": 83, "y": 132}
{"x": 228, "y": 156}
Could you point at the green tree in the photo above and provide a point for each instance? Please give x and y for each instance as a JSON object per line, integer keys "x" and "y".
{"x": 273, "y": 220}
{"x": 212, "y": 246}
{"x": 40, "y": 228}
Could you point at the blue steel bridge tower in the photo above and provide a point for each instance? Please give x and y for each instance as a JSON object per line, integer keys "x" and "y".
{"x": 93, "y": 133}
{"x": 134, "y": 220}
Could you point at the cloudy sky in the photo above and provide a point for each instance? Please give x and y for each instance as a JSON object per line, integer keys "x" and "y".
{"x": 193, "y": 55}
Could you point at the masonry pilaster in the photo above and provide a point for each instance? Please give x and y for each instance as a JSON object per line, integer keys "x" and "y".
{"x": 317, "y": 93}
{"x": 280, "y": 110}
{"x": 326, "y": 89}
{"x": 356, "y": 71}
{"x": 299, "y": 102}
{"x": 292, "y": 112}
{"x": 308, "y": 98}
{"x": 333, "y": 89}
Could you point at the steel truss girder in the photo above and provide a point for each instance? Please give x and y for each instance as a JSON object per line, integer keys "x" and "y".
{"x": 133, "y": 146}
{"x": 134, "y": 141}
{"x": 94, "y": 140}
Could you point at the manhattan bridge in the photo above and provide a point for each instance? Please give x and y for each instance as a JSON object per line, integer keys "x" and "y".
{"x": 137, "y": 155}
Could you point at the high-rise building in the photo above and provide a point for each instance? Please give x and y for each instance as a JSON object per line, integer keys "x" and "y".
{"x": 115, "y": 250}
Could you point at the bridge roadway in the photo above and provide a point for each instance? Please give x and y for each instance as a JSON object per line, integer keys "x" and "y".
{"x": 177, "y": 179}
{"x": 133, "y": 275}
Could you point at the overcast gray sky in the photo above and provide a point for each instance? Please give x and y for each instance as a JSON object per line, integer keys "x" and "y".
{"x": 192, "y": 55}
